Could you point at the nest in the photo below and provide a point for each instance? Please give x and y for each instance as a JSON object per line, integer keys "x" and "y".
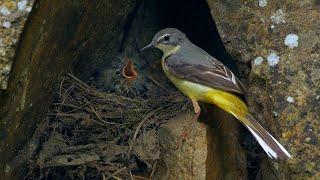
{"x": 90, "y": 134}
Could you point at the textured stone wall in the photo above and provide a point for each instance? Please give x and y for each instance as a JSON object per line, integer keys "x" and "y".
{"x": 60, "y": 34}
{"x": 281, "y": 41}
{"x": 276, "y": 44}
{"x": 13, "y": 15}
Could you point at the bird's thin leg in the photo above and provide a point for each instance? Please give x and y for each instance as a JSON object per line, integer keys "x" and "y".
{"x": 196, "y": 108}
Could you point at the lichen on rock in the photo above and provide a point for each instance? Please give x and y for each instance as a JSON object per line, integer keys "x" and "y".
{"x": 13, "y": 15}
{"x": 286, "y": 33}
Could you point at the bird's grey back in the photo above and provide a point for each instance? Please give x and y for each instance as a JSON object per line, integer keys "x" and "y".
{"x": 194, "y": 54}
{"x": 194, "y": 64}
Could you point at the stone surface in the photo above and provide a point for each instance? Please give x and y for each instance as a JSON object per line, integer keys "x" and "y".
{"x": 283, "y": 86}
{"x": 13, "y": 15}
{"x": 184, "y": 159}
{"x": 61, "y": 35}
{"x": 208, "y": 152}
{"x": 283, "y": 90}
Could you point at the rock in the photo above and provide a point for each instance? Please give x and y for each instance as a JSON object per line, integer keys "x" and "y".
{"x": 12, "y": 21}
{"x": 282, "y": 91}
{"x": 187, "y": 159}
{"x": 287, "y": 84}
{"x": 207, "y": 153}
{"x": 47, "y": 51}
{"x": 147, "y": 146}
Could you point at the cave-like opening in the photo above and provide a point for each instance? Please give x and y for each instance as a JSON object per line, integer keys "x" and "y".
{"x": 194, "y": 18}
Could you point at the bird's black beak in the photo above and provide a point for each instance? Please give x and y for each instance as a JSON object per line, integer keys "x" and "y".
{"x": 151, "y": 45}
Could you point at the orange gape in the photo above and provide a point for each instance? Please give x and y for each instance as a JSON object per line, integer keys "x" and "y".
{"x": 129, "y": 71}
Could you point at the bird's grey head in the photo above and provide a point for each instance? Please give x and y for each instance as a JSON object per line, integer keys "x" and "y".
{"x": 167, "y": 40}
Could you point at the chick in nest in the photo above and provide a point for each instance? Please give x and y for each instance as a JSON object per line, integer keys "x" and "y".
{"x": 129, "y": 71}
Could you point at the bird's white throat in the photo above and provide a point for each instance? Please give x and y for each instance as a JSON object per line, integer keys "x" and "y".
{"x": 168, "y": 50}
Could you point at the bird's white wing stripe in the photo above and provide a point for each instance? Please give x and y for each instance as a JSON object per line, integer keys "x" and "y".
{"x": 271, "y": 153}
{"x": 225, "y": 70}
{"x": 227, "y": 75}
{"x": 233, "y": 79}
{"x": 226, "y": 78}
{"x": 282, "y": 148}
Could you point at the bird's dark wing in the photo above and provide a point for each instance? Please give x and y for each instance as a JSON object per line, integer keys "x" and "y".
{"x": 212, "y": 73}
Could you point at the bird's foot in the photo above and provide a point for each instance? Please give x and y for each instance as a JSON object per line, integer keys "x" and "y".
{"x": 196, "y": 108}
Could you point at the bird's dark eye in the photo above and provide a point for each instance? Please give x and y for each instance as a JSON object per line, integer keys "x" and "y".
{"x": 166, "y": 37}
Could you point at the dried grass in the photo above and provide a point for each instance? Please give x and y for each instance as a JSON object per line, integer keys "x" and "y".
{"x": 90, "y": 134}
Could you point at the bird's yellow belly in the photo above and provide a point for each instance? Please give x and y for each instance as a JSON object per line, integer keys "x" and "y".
{"x": 193, "y": 90}
{"x": 225, "y": 100}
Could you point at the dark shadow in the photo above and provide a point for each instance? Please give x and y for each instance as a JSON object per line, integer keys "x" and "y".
{"x": 193, "y": 17}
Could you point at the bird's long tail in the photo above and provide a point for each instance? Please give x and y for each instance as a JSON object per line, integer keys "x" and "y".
{"x": 235, "y": 106}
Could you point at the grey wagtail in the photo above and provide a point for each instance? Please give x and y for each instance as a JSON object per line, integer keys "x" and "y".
{"x": 203, "y": 78}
